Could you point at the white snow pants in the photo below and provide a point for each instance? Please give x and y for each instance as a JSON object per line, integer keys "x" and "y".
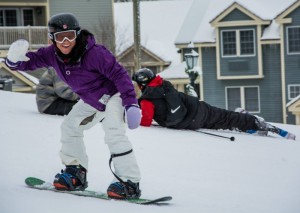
{"x": 83, "y": 117}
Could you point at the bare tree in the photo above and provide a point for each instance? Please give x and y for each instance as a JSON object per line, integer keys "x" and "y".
{"x": 122, "y": 37}
{"x": 105, "y": 34}
{"x": 115, "y": 38}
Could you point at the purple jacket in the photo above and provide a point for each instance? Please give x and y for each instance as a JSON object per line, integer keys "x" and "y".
{"x": 95, "y": 78}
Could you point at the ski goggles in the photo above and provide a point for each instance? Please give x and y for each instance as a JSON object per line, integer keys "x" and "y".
{"x": 60, "y": 37}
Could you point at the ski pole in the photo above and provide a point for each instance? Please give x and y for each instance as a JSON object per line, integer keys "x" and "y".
{"x": 220, "y": 136}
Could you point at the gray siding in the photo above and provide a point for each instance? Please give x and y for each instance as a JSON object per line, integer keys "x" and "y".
{"x": 270, "y": 90}
{"x": 236, "y": 15}
{"x": 213, "y": 90}
{"x": 93, "y": 15}
{"x": 269, "y": 86}
{"x": 292, "y": 62}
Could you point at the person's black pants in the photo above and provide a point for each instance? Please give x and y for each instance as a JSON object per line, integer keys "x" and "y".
{"x": 60, "y": 107}
{"x": 210, "y": 117}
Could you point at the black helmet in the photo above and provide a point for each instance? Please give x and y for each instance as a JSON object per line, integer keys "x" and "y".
{"x": 143, "y": 76}
{"x": 63, "y": 22}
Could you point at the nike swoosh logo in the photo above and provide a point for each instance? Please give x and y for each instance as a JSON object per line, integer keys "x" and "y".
{"x": 174, "y": 110}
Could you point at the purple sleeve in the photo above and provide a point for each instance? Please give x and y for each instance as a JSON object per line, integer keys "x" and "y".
{"x": 117, "y": 74}
{"x": 38, "y": 59}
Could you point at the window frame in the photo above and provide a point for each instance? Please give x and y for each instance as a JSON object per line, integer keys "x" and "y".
{"x": 4, "y": 16}
{"x": 22, "y": 16}
{"x": 288, "y": 40}
{"x": 238, "y": 43}
{"x": 289, "y": 91}
{"x": 243, "y": 98}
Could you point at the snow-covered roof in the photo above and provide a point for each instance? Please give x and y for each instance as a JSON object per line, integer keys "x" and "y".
{"x": 271, "y": 32}
{"x": 29, "y": 77}
{"x": 204, "y": 32}
{"x": 160, "y": 22}
{"x": 166, "y": 23}
{"x": 177, "y": 71}
{"x": 26, "y": 75}
{"x": 293, "y": 101}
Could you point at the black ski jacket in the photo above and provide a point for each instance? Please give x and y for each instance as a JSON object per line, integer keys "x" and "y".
{"x": 198, "y": 114}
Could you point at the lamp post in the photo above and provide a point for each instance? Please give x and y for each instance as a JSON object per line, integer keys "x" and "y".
{"x": 191, "y": 60}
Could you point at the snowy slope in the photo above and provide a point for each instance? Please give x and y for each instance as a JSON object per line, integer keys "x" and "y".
{"x": 203, "y": 173}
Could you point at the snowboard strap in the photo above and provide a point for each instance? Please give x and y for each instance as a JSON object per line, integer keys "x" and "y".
{"x": 118, "y": 155}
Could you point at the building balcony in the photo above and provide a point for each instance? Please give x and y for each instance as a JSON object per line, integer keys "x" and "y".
{"x": 35, "y": 35}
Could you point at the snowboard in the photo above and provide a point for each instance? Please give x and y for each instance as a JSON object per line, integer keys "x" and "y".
{"x": 37, "y": 183}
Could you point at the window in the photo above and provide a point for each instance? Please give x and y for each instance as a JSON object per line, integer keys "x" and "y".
{"x": 293, "y": 40}
{"x": 245, "y": 97}
{"x": 28, "y": 17}
{"x": 16, "y": 17}
{"x": 294, "y": 91}
{"x": 8, "y": 17}
{"x": 1, "y": 18}
{"x": 237, "y": 43}
{"x": 247, "y": 42}
{"x": 229, "y": 43}
{"x": 251, "y": 99}
{"x": 233, "y": 98}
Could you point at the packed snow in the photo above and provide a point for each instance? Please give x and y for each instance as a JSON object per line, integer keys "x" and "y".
{"x": 202, "y": 173}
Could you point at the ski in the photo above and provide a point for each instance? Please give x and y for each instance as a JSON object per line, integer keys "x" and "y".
{"x": 37, "y": 183}
{"x": 276, "y": 130}
{"x": 271, "y": 128}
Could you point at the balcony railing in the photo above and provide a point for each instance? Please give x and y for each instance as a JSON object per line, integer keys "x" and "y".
{"x": 36, "y": 36}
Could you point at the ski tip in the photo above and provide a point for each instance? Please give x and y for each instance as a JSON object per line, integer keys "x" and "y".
{"x": 167, "y": 198}
{"x": 291, "y": 136}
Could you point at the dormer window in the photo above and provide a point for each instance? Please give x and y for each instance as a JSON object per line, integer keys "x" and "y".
{"x": 293, "y": 40}
{"x": 238, "y": 43}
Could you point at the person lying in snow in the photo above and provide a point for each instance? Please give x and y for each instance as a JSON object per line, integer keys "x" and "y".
{"x": 53, "y": 96}
{"x": 160, "y": 102}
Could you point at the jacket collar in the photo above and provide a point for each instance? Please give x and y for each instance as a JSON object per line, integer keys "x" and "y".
{"x": 157, "y": 81}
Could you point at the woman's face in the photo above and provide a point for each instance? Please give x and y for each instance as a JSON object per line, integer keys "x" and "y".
{"x": 65, "y": 40}
{"x": 66, "y": 47}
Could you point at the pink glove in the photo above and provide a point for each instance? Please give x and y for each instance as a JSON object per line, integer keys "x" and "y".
{"x": 133, "y": 115}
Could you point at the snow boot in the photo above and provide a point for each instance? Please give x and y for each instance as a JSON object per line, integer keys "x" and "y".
{"x": 259, "y": 121}
{"x": 261, "y": 124}
{"x": 73, "y": 178}
{"x": 124, "y": 190}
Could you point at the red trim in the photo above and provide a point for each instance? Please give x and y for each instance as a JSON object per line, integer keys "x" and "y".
{"x": 147, "y": 108}
{"x": 157, "y": 81}
{"x": 114, "y": 195}
{"x": 59, "y": 186}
